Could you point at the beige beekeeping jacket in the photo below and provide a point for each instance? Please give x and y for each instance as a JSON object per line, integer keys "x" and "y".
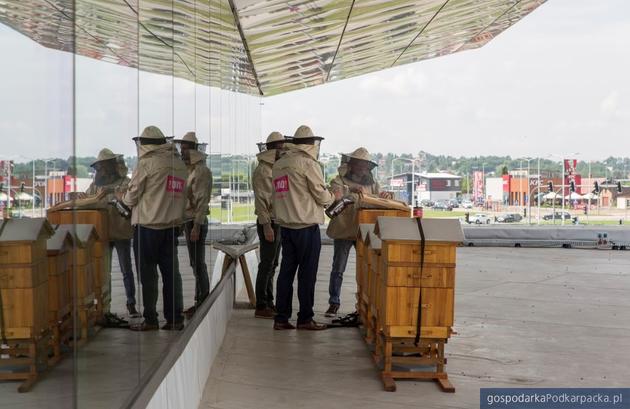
{"x": 119, "y": 227}
{"x": 300, "y": 193}
{"x": 344, "y": 226}
{"x": 157, "y": 190}
{"x": 199, "y": 187}
{"x": 263, "y": 188}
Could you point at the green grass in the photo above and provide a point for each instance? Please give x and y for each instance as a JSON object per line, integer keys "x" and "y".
{"x": 428, "y": 213}
{"x": 241, "y": 213}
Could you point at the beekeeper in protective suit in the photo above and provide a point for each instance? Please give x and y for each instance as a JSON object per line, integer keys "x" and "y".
{"x": 198, "y": 187}
{"x": 268, "y": 229}
{"x": 299, "y": 199}
{"x": 111, "y": 178}
{"x": 157, "y": 197}
{"x": 355, "y": 175}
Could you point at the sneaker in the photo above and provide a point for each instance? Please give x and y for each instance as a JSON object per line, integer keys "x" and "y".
{"x": 266, "y": 313}
{"x": 312, "y": 326}
{"x": 332, "y": 310}
{"x": 131, "y": 309}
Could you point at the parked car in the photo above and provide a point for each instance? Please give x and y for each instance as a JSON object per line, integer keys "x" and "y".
{"x": 426, "y": 203}
{"x": 509, "y": 218}
{"x": 480, "y": 218}
{"x": 445, "y": 206}
{"x": 558, "y": 216}
{"x": 467, "y": 204}
{"x": 453, "y": 202}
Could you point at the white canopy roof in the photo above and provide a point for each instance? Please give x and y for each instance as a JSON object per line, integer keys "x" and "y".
{"x": 24, "y": 196}
{"x": 573, "y": 196}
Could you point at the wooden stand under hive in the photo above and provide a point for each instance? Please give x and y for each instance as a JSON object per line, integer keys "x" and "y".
{"x": 417, "y": 273}
{"x": 81, "y": 277}
{"x": 24, "y": 329}
{"x": 59, "y": 249}
{"x": 100, "y": 252}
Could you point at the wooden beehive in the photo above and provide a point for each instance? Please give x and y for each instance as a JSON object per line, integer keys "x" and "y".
{"x": 23, "y": 277}
{"x": 59, "y": 250}
{"x": 99, "y": 219}
{"x": 81, "y": 273}
{"x": 372, "y": 276}
{"x": 402, "y": 285}
{"x": 369, "y": 216}
{"x": 361, "y": 250}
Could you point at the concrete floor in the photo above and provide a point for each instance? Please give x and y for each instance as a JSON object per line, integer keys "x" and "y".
{"x": 108, "y": 366}
{"x": 524, "y": 317}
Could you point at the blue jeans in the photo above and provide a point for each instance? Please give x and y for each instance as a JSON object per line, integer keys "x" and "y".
{"x": 340, "y": 259}
{"x": 123, "y": 250}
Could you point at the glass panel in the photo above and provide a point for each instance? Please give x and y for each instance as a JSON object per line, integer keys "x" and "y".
{"x": 36, "y": 151}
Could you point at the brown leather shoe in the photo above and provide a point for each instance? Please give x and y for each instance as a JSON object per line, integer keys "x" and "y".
{"x": 266, "y": 313}
{"x": 144, "y": 326}
{"x": 283, "y": 325}
{"x": 312, "y": 326}
{"x": 332, "y": 310}
{"x": 173, "y": 326}
{"x": 190, "y": 312}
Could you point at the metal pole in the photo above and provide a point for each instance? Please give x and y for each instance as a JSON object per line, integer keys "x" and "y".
{"x": 9, "y": 190}
{"x": 54, "y": 184}
{"x": 529, "y": 198}
{"x": 562, "y": 214}
{"x": 45, "y": 204}
{"x": 538, "y": 193}
{"x": 33, "y": 185}
{"x": 413, "y": 183}
{"x": 590, "y": 182}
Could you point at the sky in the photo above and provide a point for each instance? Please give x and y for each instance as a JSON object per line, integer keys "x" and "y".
{"x": 556, "y": 83}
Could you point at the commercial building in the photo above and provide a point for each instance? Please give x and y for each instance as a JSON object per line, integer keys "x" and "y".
{"x": 428, "y": 186}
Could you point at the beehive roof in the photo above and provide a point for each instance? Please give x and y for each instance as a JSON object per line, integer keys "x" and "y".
{"x": 364, "y": 229}
{"x": 374, "y": 241}
{"x": 26, "y": 229}
{"x": 57, "y": 241}
{"x": 403, "y": 228}
{"x": 81, "y": 233}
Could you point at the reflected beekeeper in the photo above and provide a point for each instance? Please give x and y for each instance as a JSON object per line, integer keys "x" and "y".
{"x": 198, "y": 190}
{"x": 157, "y": 196}
{"x": 355, "y": 175}
{"x": 111, "y": 178}
{"x": 268, "y": 229}
{"x": 299, "y": 199}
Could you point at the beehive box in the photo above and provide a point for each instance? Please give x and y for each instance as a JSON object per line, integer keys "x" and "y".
{"x": 99, "y": 219}
{"x": 374, "y": 261}
{"x": 369, "y": 215}
{"x": 81, "y": 274}
{"x": 402, "y": 284}
{"x": 23, "y": 277}
{"x": 361, "y": 250}
{"x": 59, "y": 250}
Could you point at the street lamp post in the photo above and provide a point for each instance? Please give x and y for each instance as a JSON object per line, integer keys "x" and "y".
{"x": 538, "y": 194}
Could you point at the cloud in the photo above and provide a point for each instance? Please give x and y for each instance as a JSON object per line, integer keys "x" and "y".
{"x": 396, "y": 82}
